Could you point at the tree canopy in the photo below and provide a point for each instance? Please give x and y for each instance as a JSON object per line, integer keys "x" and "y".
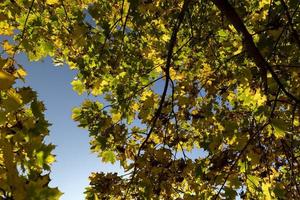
{"x": 217, "y": 78}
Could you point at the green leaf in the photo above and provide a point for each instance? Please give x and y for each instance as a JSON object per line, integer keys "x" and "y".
{"x": 40, "y": 158}
{"x": 108, "y": 156}
{"x": 78, "y": 86}
{"x": 76, "y": 112}
{"x": 280, "y": 128}
{"x": 6, "y": 80}
{"x": 222, "y": 33}
{"x": 253, "y": 183}
{"x": 198, "y": 171}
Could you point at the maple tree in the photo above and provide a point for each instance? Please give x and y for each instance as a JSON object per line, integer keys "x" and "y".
{"x": 179, "y": 76}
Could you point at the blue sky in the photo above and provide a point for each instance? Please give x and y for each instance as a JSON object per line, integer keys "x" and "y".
{"x": 74, "y": 160}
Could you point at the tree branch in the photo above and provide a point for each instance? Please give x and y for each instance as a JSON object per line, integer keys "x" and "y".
{"x": 290, "y": 22}
{"x": 167, "y": 71}
{"x": 251, "y": 139}
{"x": 24, "y": 28}
{"x": 225, "y": 7}
{"x": 171, "y": 46}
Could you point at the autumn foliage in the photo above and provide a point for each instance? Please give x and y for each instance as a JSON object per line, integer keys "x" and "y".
{"x": 218, "y": 80}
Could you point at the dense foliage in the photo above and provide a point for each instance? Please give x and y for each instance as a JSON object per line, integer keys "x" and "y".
{"x": 216, "y": 78}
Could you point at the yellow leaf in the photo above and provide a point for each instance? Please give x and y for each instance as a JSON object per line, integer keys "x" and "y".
{"x": 250, "y": 98}
{"x": 135, "y": 106}
{"x": 99, "y": 86}
{"x": 6, "y": 28}
{"x": 165, "y": 37}
{"x": 6, "y": 63}
{"x": 108, "y": 156}
{"x": 176, "y": 75}
{"x": 266, "y": 191}
{"x": 259, "y": 98}
{"x": 8, "y": 47}
{"x": 71, "y": 64}
{"x": 172, "y": 73}
{"x": 95, "y": 196}
{"x": 6, "y": 80}
{"x": 116, "y": 117}
{"x": 13, "y": 101}
{"x": 209, "y": 82}
{"x": 296, "y": 121}
{"x": 78, "y": 86}
{"x": 51, "y": 2}
{"x": 10, "y": 165}
{"x": 50, "y": 159}
{"x": 20, "y": 73}
{"x": 155, "y": 138}
{"x": 253, "y": 183}
{"x": 232, "y": 140}
{"x": 146, "y": 94}
{"x": 278, "y": 132}
{"x": 279, "y": 128}
{"x": 239, "y": 47}
{"x": 243, "y": 166}
{"x": 231, "y": 27}
{"x": 76, "y": 113}
{"x": 121, "y": 75}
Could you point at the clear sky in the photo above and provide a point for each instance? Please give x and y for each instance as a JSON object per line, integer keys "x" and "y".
{"x": 74, "y": 160}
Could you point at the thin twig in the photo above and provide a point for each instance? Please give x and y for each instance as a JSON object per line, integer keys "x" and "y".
{"x": 225, "y": 7}
{"x": 167, "y": 73}
{"x": 24, "y": 28}
{"x": 251, "y": 139}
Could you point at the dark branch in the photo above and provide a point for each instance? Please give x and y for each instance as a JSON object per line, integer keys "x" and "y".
{"x": 225, "y": 7}
{"x": 251, "y": 139}
{"x": 167, "y": 71}
{"x": 171, "y": 46}
{"x": 290, "y": 22}
{"x": 24, "y": 28}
